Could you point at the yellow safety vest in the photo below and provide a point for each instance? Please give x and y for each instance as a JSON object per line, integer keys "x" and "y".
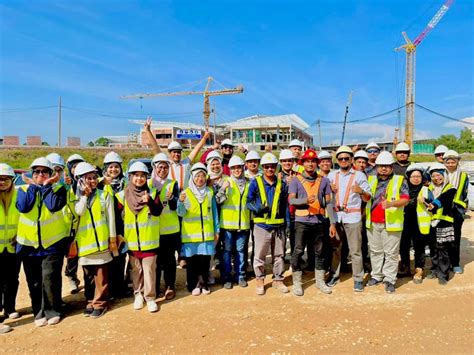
{"x": 39, "y": 226}
{"x": 169, "y": 221}
{"x": 9, "y": 224}
{"x": 457, "y": 197}
{"x": 198, "y": 222}
{"x": 269, "y": 219}
{"x": 298, "y": 168}
{"x": 422, "y": 214}
{"x": 142, "y": 231}
{"x": 234, "y": 214}
{"x": 93, "y": 230}
{"x": 70, "y": 216}
{"x": 440, "y": 211}
{"x": 393, "y": 215}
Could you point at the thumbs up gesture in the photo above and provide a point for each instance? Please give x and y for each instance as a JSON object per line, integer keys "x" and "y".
{"x": 182, "y": 196}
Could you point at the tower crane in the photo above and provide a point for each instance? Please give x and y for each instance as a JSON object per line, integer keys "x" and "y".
{"x": 410, "y": 49}
{"x": 206, "y": 93}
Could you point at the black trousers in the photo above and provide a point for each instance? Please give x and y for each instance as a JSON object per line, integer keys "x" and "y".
{"x": 310, "y": 236}
{"x": 166, "y": 262}
{"x": 72, "y": 265}
{"x": 456, "y": 250}
{"x": 10, "y": 269}
{"x": 411, "y": 235}
{"x": 197, "y": 267}
{"x": 117, "y": 282}
{"x": 327, "y": 246}
{"x": 43, "y": 275}
{"x": 440, "y": 263}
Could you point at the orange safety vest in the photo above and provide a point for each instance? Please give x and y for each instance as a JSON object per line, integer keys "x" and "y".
{"x": 343, "y": 206}
{"x": 312, "y": 189}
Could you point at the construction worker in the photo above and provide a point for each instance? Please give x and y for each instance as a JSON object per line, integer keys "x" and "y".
{"x": 234, "y": 223}
{"x": 71, "y": 220}
{"x": 113, "y": 180}
{"x": 141, "y": 207}
{"x": 170, "y": 229}
{"x": 309, "y": 193}
{"x": 287, "y": 161}
{"x": 267, "y": 200}
{"x": 373, "y": 151}
{"x": 439, "y": 153}
{"x": 41, "y": 239}
{"x": 9, "y": 262}
{"x": 296, "y": 146}
{"x": 361, "y": 160}
{"x": 350, "y": 189}
{"x": 384, "y": 211}
{"x": 402, "y": 153}
{"x": 460, "y": 181}
{"x": 58, "y": 164}
{"x": 252, "y": 165}
{"x": 226, "y": 150}
{"x": 442, "y": 235}
{"x": 95, "y": 238}
{"x": 199, "y": 229}
{"x": 325, "y": 163}
{"x": 416, "y": 223}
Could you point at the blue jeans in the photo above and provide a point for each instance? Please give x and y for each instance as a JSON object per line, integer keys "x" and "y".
{"x": 234, "y": 244}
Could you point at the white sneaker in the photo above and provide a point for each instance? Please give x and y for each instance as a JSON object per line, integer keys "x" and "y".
{"x": 5, "y": 328}
{"x": 54, "y": 320}
{"x": 14, "y": 315}
{"x": 138, "y": 303}
{"x": 152, "y": 306}
{"x": 41, "y": 322}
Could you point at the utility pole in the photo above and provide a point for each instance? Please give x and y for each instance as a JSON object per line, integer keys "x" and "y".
{"x": 320, "y": 138}
{"x": 345, "y": 117}
{"x": 214, "y": 116}
{"x": 59, "y": 122}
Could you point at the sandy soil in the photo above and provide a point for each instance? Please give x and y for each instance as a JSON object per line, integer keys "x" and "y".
{"x": 418, "y": 318}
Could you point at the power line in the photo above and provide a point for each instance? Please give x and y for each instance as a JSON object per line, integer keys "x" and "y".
{"x": 86, "y": 110}
{"x": 365, "y": 118}
{"x": 23, "y": 109}
{"x": 443, "y": 115}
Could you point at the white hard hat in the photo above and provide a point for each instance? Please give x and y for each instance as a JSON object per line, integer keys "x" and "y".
{"x": 252, "y": 155}
{"x": 440, "y": 149}
{"x": 361, "y": 154}
{"x": 286, "y": 154}
{"x": 112, "y": 157}
{"x": 197, "y": 167}
{"x": 138, "y": 166}
{"x": 83, "y": 168}
{"x": 372, "y": 145}
{"x": 6, "y": 170}
{"x": 227, "y": 141}
{"x": 55, "y": 159}
{"x": 174, "y": 146}
{"x": 296, "y": 143}
{"x": 451, "y": 154}
{"x": 385, "y": 158}
{"x": 415, "y": 167}
{"x": 437, "y": 166}
{"x": 324, "y": 154}
{"x": 160, "y": 157}
{"x": 42, "y": 162}
{"x": 402, "y": 147}
{"x": 344, "y": 149}
{"x": 235, "y": 161}
{"x": 213, "y": 155}
{"x": 75, "y": 157}
{"x": 269, "y": 158}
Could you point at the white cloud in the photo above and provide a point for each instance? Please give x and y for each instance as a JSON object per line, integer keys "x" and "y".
{"x": 453, "y": 124}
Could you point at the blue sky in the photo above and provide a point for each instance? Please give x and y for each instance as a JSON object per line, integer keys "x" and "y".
{"x": 300, "y": 57}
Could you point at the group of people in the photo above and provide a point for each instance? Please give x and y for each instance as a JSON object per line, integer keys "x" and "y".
{"x": 202, "y": 215}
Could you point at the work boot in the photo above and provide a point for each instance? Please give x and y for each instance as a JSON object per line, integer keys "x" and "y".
{"x": 418, "y": 277}
{"x": 73, "y": 285}
{"x": 297, "y": 286}
{"x": 280, "y": 286}
{"x": 319, "y": 278}
{"x": 260, "y": 287}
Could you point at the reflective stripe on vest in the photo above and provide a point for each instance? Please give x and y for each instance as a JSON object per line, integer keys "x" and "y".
{"x": 440, "y": 211}
{"x": 234, "y": 214}
{"x": 312, "y": 189}
{"x": 70, "y": 216}
{"x": 457, "y": 198}
{"x": 275, "y": 203}
{"x": 169, "y": 221}
{"x": 422, "y": 214}
{"x": 39, "y": 226}
{"x": 9, "y": 224}
{"x": 93, "y": 230}
{"x": 393, "y": 215}
{"x": 198, "y": 222}
{"x": 142, "y": 231}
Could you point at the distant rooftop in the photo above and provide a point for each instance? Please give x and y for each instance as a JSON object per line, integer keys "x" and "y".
{"x": 258, "y": 121}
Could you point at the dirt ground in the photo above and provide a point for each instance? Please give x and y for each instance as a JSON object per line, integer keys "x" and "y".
{"x": 424, "y": 318}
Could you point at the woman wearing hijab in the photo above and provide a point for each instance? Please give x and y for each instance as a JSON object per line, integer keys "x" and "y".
{"x": 199, "y": 229}
{"x": 95, "y": 238}
{"x": 170, "y": 236}
{"x": 140, "y": 207}
{"x": 416, "y": 224}
{"x": 9, "y": 261}
{"x": 442, "y": 230}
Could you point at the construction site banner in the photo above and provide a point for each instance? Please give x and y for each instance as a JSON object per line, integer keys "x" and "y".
{"x": 188, "y": 134}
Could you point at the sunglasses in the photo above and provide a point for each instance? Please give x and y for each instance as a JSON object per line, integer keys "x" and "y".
{"x": 373, "y": 151}
{"x": 439, "y": 155}
{"x": 39, "y": 171}
{"x": 269, "y": 167}
{"x": 343, "y": 159}
{"x": 92, "y": 178}
{"x": 227, "y": 147}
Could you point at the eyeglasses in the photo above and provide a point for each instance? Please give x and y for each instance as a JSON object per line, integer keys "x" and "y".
{"x": 343, "y": 159}
{"x": 286, "y": 161}
{"x": 166, "y": 167}
{"x": 175, "y": 152}
{"x": 5, "y": 178}
{"x": 91, "y": 178}
{"x": 39, "y": 171}
{"x": 267, "y": 166}
{"x": 373, "y": 151}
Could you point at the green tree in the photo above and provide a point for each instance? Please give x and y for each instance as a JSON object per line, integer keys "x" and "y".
{"x": 45, "y": 144}
{"x": 90, "y": 144}
{"x": 102, "y": 142}
{"x": 465, "y": 143}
